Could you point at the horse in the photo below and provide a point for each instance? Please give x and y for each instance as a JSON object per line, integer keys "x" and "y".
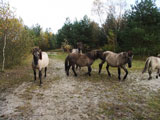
{"x": 40, "y": 61}
{"x": 80, "y": 46}
{"x": 81, "y": 60}
{"x": 151, "y": 64}
{"x": 76, "y": 51}
{"x": 116, "y": 60}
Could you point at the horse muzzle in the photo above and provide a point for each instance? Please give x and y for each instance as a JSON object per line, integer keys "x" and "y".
{"x": 129, "y": 65}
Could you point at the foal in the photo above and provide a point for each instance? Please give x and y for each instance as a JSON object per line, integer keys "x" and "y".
{"x": 40, "y": 61}
{"x": 117, "y": 60}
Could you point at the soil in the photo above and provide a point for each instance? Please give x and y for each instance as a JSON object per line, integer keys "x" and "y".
{"x": 60, "y": 97}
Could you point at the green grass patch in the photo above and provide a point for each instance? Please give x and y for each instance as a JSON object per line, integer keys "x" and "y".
{"x": 58, "y": 55}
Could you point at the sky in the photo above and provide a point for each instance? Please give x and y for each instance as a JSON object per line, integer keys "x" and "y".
{"x": 53, "y": 13}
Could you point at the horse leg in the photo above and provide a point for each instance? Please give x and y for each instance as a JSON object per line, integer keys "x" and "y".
{"x": 74, "y": 70}
{"x": 100, "y": 66}
{"x": 89, "y": 70}
{"x": 157, "y": 73}
{"x": 150, "y": 74}
{"x": 119, "y": 73}
{"x": 34, "y": 74}
{"x": 68, "y": 70}
{"x": 124, "y": 68}
{"x": 77, "y": 67}
{"x": 45, "y": 72}
{"x": 107, "y": 68}
{"x": 40, "y": 77}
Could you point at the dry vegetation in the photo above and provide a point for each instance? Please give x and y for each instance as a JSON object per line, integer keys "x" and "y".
{"x": 98, "y": 97}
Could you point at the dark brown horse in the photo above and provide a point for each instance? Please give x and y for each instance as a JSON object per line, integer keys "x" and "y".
{"x": 81, "y": 60}
{"x": 116, "y": 60}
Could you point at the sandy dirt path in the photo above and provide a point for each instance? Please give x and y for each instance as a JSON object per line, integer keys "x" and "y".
{"x": 77, "y": 98}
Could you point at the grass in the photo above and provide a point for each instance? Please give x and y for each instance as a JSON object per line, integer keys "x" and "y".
{"x": 15, "y": 76}
{"x": 129, "y": 104}
{"x": 137, "y": 63}
{"x": 58, "y": 55}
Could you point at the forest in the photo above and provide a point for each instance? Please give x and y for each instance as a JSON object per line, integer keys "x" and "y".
{"x": 135, "y": 29}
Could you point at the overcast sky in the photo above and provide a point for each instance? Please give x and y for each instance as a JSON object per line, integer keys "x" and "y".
{"x": 53, "y": 13}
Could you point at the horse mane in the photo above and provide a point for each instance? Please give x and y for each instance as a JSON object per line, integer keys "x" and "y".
{"x": 91, "y": 55}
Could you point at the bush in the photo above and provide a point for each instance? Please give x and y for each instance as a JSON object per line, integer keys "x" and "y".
{"x": 108, "y": 47}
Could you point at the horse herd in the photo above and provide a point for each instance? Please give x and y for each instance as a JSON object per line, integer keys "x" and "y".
{"x": 79, "y": 59}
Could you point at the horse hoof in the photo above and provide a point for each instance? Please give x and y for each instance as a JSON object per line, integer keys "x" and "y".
{"x": 157, "y": 77}
{"x": 150, "y": 78}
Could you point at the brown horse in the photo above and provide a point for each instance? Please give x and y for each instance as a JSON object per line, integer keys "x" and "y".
{"x": 117, "y": 60}
{"x": 80, "y": 47}
{"x": 81, "y": 60}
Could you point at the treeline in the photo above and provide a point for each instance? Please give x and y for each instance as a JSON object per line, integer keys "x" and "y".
{"x": 137, "y": 29}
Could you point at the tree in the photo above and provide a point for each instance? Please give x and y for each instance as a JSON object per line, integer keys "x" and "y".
{"x": 105, "y": 10}
{"x": 85, "y": 31}
{"x": 6, "y": 14}
{"x": 142, "y": 28}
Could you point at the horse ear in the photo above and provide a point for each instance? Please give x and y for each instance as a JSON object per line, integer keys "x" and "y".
{"x": 40, "y": 55}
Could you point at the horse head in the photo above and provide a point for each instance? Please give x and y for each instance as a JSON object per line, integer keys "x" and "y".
{"x": 128, "y": 56}
{"x": 37, "y": 54}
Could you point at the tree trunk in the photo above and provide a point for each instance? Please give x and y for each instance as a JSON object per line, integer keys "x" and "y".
{"x": 4, "y": 47}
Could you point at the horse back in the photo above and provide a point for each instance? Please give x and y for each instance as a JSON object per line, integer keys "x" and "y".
{"x": 114, "y": 59}
{"x": 45, "y": 60}
{"x": 79, "y": 59}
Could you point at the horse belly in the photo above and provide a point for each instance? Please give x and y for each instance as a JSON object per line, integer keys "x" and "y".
{"x": 112, "y": 63}
{"x": 83, "y": 62}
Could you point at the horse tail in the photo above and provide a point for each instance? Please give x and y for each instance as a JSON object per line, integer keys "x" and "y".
{"x": 146, "y": 65}
{"x": 66, "y": 63}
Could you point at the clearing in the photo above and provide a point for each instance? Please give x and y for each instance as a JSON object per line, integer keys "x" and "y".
{"x": 98, "y": 97}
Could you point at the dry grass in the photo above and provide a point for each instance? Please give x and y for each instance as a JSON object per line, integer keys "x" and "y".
{"x": 123, "y": 100}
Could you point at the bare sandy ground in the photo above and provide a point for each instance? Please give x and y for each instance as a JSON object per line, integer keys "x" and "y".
{"x": 76, "y": 98}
